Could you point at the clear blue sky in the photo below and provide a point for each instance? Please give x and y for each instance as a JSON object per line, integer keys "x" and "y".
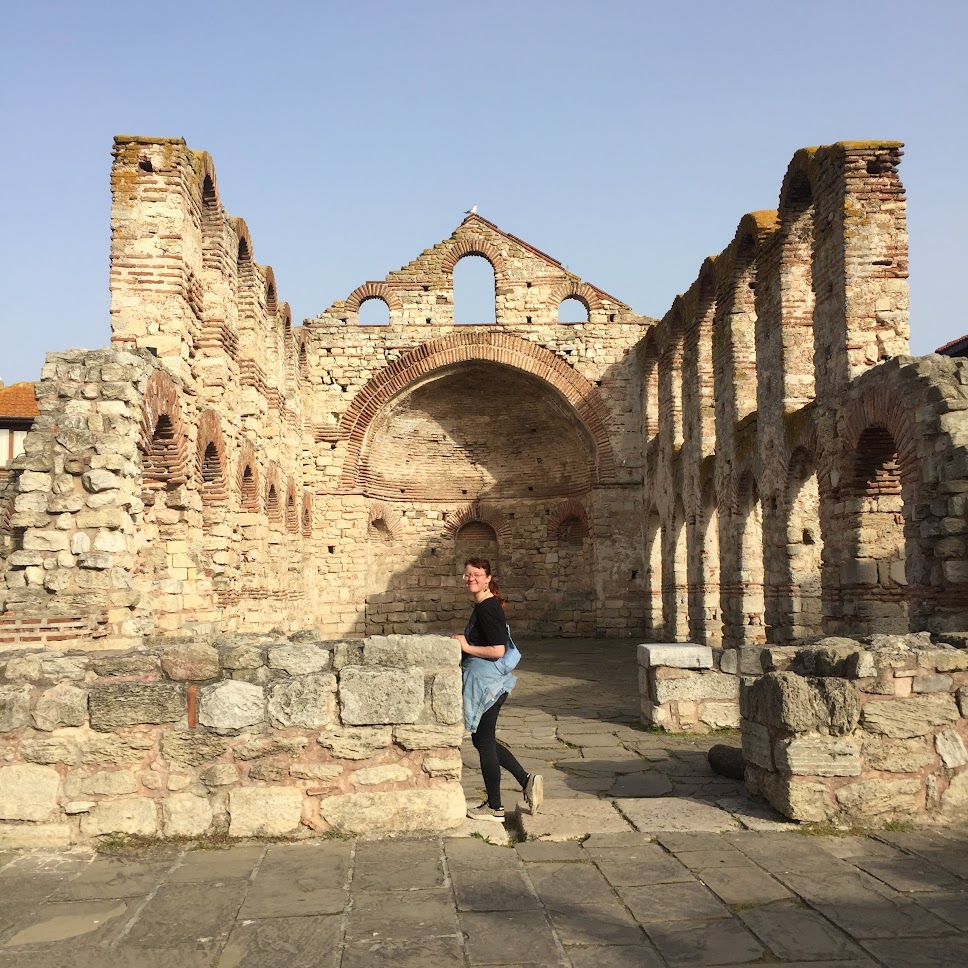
{"x": 624, "y": 137}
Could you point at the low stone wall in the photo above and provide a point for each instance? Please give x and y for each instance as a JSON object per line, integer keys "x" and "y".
{"x": 248, "y": 735}
{"x": 685, "y": 688}
{"x": 860, "y": 734}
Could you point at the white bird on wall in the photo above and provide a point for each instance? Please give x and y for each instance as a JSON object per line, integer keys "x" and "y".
{"x": 471, "y": 211}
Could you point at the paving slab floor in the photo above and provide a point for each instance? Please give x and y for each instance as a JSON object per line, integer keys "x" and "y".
{"x": 691, "y": 875}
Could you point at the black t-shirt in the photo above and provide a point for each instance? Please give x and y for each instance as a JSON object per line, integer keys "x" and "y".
{"x": 487, "y": 624}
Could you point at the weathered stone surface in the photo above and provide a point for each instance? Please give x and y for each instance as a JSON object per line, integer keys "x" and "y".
{"x": 262, "y": 746}
{"x": 315, "y": 771}
{"x": 818, "y": 756}
{"x": 355, "y": 744}
{"x": 449, "y": 767}
{"x": 720, "y": 715}
{"x": 28, "y": 792}
{"x": 219, "y": 774}
{"x": 373, "y": 696}
{"x": 229, "y": 706}
{"x": 914, "y": 716}
{"x": 61, "y": 705}
{"x": 132, "y": 815}
{"x": 757, "y": 745}
{"x": 677, "y": 656}
{"x": 308, "y": 701}
{"x": 793, "y": 797}
{"x": 190, "y": 660}
{"x": 428, "y": 737}
{"x": 896, "y": 755}
{"x": 14, "y": 707}
{"x": 186, "y": 815}
{"x": 931, "y": 683}
{"x": 134, "y": 703}
{"x": 111, "y": 749}
{"x": 700, "y": 685}
{"x": 951, "y": 748}
{"x": 954, "y": 800}
{"x": 300, "y": 660}
{"x": 264, "y": 811}
{"x": 24, "y": 668}
{"x": 192, "y": 747}
{"x": 390, "y": 773}
{"x": 40, "y": 748}
{"x": 243, "y": 657}
{"x": 788, "y": 701}
{"x": 125, "y": 664}
{"x": 106, "y": 783}
{"x": 962, "y": 695}
{"x": 31, "y": 835}
{"x": 876, "y": 800}
{"x": 447, "y": 702}
{"x": 405, "y": 811}
{"x": 405, "y": 652}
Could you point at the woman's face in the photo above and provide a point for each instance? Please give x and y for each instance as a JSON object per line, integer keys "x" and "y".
{"x": 475, "y": 579}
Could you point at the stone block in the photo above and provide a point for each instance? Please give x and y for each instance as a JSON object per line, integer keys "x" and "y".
{"x": 357, "y": 744}
{"x": 124, "y": 664}
{"x": 373, "y": 775}
{"x": 408, "y": 651}
{"x": 137, "y": 816}
{"x": 931, "y": 683}
{"x": 307, "y": 701}
{"x": 795, "y": 798}
{"x": 449, "y": 767}
{"x": 818, "y": 756}
{"x": 757, "y": 745}
{"x": 61, "y": 705}
{"x": 717, "y": 714}
{"x": 904, "y": 718}
{"x": 271, "y": 746}
{"x": 108, "y": 783}
{"x": 698, "y": 685}
{"x": 372, "y": 696}
{"x": 52, "y": 836}
{"x": 49, "y": 749}
{"x": 229, "y": 706}
{"x": 880, "y": 800}
{"x": 428, "y": 737}
{"x": 264, "y": 811}
{"x": 110, "y": 749}
{"x": 951, "y": 749}
{"x": 219, "y": 774}
{"x": 651, "y": 655}
{"x": 185, "y": 815}
{"x": 135, "y": 703}
{"x": 300, "y": 659}
{"x": 896, "y": 755}
{"x": 14, "y": 707}
{"x": 322, "y": 772}
{"x": 954, "y": 800}
{"x": 794, "y": 704}
{"x": 243, "y": 656}
{"x": 28, "y": 792}
{"x": 446, "y": 701}
{"x": 395, "y": 812}
{"x": 190, "y": 661}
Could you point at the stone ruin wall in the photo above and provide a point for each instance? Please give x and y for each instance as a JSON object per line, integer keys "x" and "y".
{"x": 803, "y": 474}
{"x": 217, "y": 470}
{"x": 240, "y": 736}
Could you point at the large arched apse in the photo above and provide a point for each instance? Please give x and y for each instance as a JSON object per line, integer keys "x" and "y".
{"x": 481, "y": 449}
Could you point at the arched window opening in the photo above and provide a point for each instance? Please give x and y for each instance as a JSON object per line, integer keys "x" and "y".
{"x": 273, "y": 510}
{"x": 650, "y": 390}
{"x": 476, "y": 539}
{"x": 303, "y": 360}
{"x": 249, "y": 490}
{"x": 272, "y": 306}
{"x": 292, "y": 515}
{"x": 572, "y": 532}
{"x": 211, "y": 465}
{"x": 675, "y": 599}
{"x": 710, "y": 625}
{"x": 374, "y": 312}
{"x": 655, "y": 619}
{"x": 474, "y": 291}
{"x": 878, "y": 570}
{"x": 162, "y": 459}
{"x": 572, "y": 310}
{"x": 307, "y": 520}
{"x": 379, "y": 532}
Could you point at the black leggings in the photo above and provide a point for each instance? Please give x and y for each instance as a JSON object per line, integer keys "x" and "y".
{"x": 494, "y": 755}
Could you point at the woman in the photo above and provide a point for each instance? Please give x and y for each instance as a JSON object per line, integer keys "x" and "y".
{"x": 486, "y": 686}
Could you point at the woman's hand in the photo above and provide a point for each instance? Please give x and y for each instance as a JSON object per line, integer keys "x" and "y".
{"x": 462, "y": 640}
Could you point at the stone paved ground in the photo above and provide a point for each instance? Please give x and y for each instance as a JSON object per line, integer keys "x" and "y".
{"x": 690, "y": 886}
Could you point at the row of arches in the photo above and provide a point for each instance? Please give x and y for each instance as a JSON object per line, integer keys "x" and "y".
{"x": 166, "y": 464}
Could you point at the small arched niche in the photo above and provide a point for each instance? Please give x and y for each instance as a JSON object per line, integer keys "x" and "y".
{"x": 374, "y": 312}
{"x": 476, "y": 539}
{"x": 573, "y": 310}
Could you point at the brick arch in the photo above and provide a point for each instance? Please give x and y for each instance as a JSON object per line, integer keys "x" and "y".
{"x": 243, "y": 238}
{"x": 879, "y": 407}
{"x": 248, "y": 493}
{"x": 373, "y": 290}
{"x": 797, "y": 192}
{"x": 706, "y": 283}
{"x": 477, "y": 511}
{"x": 272, "y": 294}
{"x": 753, "y": 229}
{"x": 291, "y": 511}
{"x": 162, "y": 443}
{"x": 380, "y": 511}
{"x": 570, "y": 510}
{"x": 573, "y": 289}
{"x": 306, "y": 516}
{"x": 213, "y": 486}
{"x": 464, "y": 247}
{"x": 274, "y": 499}
{"x": 492, "y": 347}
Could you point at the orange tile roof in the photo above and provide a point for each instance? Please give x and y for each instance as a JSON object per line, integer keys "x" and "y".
{"x": 18, "y": 402}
